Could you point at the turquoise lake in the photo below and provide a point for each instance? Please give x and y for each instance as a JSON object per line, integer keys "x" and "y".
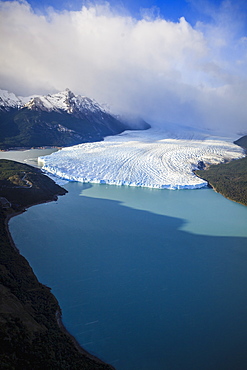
{"x": 147, "y": 279}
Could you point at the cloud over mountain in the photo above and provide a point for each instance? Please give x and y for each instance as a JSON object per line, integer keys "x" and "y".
{"x": 161, "y": 70}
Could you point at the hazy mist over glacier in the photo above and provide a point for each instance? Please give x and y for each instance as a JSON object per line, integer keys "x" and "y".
{"x": 164, "y": 71}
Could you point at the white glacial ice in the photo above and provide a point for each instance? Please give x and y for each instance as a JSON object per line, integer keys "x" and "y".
{"x": 148, "y": 158}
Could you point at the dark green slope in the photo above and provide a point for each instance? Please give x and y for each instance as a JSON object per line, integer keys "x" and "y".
{"x": 30, "y": 335}
{"x": 36, "y": 128}
{"x": 229, "y": 179}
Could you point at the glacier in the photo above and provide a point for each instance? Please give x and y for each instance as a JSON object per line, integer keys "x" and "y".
{"x": 151, "y": 158}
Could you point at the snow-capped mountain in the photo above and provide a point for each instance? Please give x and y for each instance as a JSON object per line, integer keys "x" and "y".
{"x": 60, "y": 119}
{"x": 9, "y": 100}
{"x": 64, "y": 101}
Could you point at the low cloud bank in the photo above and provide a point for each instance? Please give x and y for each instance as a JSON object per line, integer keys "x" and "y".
{"x": 160, "y": 70}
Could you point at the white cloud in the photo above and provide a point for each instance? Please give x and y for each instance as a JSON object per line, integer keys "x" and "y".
{"x": 163, "y": 71}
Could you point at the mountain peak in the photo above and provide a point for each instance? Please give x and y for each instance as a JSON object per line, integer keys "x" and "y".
{"x": 63, "y": 101}
{"x": 67, "y": 93}
{"x": 9, "y": 100}
{"x": 62, "y": 119}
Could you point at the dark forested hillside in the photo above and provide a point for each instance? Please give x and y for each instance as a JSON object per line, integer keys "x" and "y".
{"x": 229, "y": 179}
{"x": 37, "y": 128}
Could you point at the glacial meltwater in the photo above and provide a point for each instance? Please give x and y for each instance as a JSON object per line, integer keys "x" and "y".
{"x": 147, "y": 279}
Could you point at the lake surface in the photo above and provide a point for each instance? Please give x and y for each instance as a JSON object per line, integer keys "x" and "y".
{"x": 29, "y": 156}
{"x": 146, "y": 279}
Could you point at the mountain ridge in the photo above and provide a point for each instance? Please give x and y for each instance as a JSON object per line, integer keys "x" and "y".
{"x": 60, "y": 119}
{"x": 61, "y": 101}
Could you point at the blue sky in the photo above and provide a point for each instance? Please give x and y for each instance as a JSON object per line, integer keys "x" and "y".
{"x": 181, "y": 61}
{"x": 168, "y": 8}
{"x": 192, "y": 10}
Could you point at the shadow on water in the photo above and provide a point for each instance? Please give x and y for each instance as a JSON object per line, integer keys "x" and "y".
{"x": 137, "y": 290}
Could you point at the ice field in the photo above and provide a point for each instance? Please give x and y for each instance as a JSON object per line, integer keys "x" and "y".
{"x": 150, "y": 158}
